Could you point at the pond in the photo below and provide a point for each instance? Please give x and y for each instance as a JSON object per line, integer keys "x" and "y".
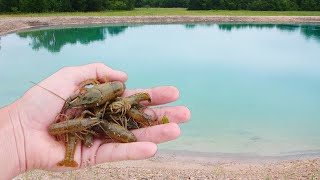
{"x": 251, "y": 88}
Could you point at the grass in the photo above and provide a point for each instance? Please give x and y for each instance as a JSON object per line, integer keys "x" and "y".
{"x": 170, "y": 12}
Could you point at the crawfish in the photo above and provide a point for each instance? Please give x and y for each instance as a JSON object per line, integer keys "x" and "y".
{"x": 123, "y": 104}
{"x": 97, "y": 95}
{"x": 73, "y": 125}
{"x": 141, "y": 117}
{"x": 103, "y": 127}
{"x": 115, "y": 132}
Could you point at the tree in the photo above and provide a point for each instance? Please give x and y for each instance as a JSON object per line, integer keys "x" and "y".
{"x": 120, "y": 4}
{"x": 9, "y": 5}
{"x": 199, "y": 5}
{"x": 79, "y": 5}
{"x": 95, "y": 5}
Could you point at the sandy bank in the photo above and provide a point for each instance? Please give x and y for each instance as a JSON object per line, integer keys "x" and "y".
{"x": 190, "y": 166}
{"x": 12, "y": 24}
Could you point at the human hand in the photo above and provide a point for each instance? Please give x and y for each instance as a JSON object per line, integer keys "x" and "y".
{"x": 36, "y": 110}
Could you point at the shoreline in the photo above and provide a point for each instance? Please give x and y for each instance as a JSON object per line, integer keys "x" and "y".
{"x": 213, "y": 158}
{"x": 192, "y": 165}
{"x": 13, "y": 24}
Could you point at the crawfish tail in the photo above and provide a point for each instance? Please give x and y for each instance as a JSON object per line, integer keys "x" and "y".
{"x": 70, "y": 150}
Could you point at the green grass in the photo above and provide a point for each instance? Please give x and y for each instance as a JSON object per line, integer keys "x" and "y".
{"x": 171, "y": 12}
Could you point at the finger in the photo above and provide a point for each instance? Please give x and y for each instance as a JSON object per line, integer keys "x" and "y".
{"x": 128, "y": 151}
{"x": 100, "y": 70}
{"x": 158, "y": 134}
{"x": 159, "y": 95}
{"x": 175, "y": 114}
{"x": 93, "y": 71}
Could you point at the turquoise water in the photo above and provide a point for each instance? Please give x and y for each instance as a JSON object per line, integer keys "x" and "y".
{"x": 251, "y": 88}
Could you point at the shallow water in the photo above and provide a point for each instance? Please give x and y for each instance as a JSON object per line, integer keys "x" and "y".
{"x": 251, "y": 88}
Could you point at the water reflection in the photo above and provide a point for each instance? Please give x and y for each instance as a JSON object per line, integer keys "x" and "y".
{"x": 116, "y": 30}
{"x": 308, "y": 31}
{"x": 311, "y": 32}
{"x": 54, "y": 39}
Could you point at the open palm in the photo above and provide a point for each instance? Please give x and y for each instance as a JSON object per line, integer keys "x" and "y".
{"x": 38, "y": 108}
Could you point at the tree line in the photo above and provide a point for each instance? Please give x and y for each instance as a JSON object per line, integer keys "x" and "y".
{"x": 101, "y": 5}
{"x": 35, "y": 6}
{"x": 256, "y": 5}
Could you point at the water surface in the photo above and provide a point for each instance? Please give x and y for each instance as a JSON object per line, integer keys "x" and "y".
{"x": 251, "y": 88}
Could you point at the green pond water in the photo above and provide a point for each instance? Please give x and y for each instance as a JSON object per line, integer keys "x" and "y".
{"x": 250, "y": 88}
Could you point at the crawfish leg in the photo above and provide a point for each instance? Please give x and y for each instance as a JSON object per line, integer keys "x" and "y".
{"x": 132, "y": 124}
{"x": 86, "y": 112}
{"x": 68, "y": 102}
{"x": 104, "y": 79}
{"x": 88, "y": 140}
{"x": 101, "y": 111}
{"x": 122, "y": 105}
{"x": 71, "y": 145}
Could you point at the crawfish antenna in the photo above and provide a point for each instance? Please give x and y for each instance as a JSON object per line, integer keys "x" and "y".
{"x": 48, "y": 90}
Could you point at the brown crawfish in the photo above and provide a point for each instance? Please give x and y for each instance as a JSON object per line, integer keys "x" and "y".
{"x": 141, "y": 117}
{"x": 73, "y": 126}
{"x": 123, "y": 104}
{"x": 109, "y": 129}
{"x": 115, "y": 132}
{"x": 98, "y": 95}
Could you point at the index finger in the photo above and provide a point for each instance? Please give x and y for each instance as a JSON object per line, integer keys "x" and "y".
{"x": 99, "y": 71}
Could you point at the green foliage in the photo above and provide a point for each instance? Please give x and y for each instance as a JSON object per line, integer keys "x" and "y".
{"x": 79, "y": 5}
{"x": 95, "y": 5}
{"x": 310, "y": 5}
{"x": 120, "y": 4}
{"x": 35, "y": 6}
{"x": 162, "y": 3}
{"x": 101, "y": 5}
{"x": 199, "y": 4}
{"x": 9, "y": 5}
{"x": 256, "y": 5}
